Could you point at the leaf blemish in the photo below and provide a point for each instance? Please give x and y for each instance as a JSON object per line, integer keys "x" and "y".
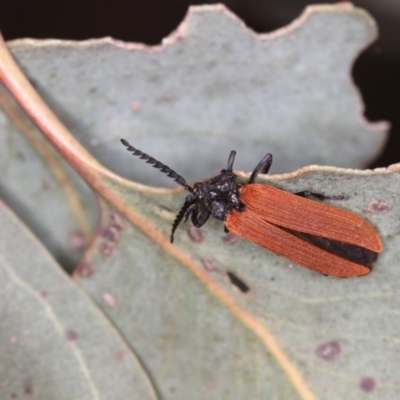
{"x": 46, "y": 184}
{"x": 378, "y": 207}
{"x": 112, "y": 235}
{"x": 71, "y": 335}
{"x": 196, "y": 234}
{"x": 109, "y": 299}
{"x": 117, "y": 221}
{"x": 84, "y": 269}
{"x": 119, "y": 355}
{"x": 76, "y": 240}
{"x": 367, "y": 384}
{"x": 28, "y": 387}
{"x": 209, "y": 264}
{"x": 237, "y": 282}
{"x": 329, "y": 351}
{"x": 107, "y": 248}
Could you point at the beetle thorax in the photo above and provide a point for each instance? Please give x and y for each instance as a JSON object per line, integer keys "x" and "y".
{"x": 219, "y": 195}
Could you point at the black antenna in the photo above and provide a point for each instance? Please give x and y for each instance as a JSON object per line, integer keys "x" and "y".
{"x": 179, "y": 217}
{"x": 157, "y": 164}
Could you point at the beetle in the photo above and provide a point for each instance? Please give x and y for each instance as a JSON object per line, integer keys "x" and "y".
{"x": 321, "y": 237}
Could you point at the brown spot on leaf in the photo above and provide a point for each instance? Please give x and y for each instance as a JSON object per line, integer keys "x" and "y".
{"x": 28, "y": 387}
{"x": 230, "y": 238}
{"x": 76, "y": 240}
{"x": 13, "y": 339}
{"x": 209, "y": 264}
{"x": 378, "y": 207}
{"x": 196, "y": 234}
{"x": 116, "y": 221}
{"x": 44, "y": 294}
{"x": 13, "y": 395}
{"x": 329, "y": 351}
{"x": 84, "y": 269}
{"x": 367, "y": 384}
{"x": 107, "y": 248}
{"x": 71, "y": 335}
{"x": 111, "y": 233}
{"x": 109, "y": 299}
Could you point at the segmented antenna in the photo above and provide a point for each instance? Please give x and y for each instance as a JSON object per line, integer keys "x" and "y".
{"x": 179, "y": 217}
{"x": 157, "y": 164}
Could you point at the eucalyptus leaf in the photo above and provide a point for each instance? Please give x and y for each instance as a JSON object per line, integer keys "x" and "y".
{"x": 338, "y": 335}
{"x": 213, "y": 316}
{"x": 43, "y": 189}
{"x": 55, "y": 344}
{"x": 211, "y": 87}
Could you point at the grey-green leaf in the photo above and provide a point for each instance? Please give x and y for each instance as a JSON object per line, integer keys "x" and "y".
{"x": 213, "y": 86}
{"x": 204, "y": 335}
{"x": 54, "y": 343}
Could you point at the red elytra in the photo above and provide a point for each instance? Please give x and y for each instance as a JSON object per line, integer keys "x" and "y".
{"x": 268, "y": 210}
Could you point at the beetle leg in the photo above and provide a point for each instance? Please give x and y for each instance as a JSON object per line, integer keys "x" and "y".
{"x": 199, "y": 219}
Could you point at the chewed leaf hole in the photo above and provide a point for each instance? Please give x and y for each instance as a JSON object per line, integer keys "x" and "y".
{"x": 235, "y": 280}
